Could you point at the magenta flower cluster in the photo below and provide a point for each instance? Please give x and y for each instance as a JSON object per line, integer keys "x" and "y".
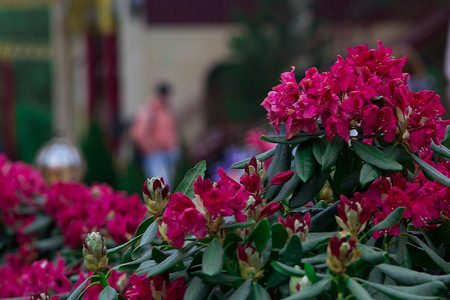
{"x": 366, "y": 91}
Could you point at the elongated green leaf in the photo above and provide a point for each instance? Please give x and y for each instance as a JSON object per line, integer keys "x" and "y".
{"x": 308, "y": 190}
{"x": 148, "y": 237}
{"x": 311, "y": 291}
{"x": 218, "y": 279}
{"x": 133, "y": 265}
{"x": 390, "y": 220}
{"x": 50, "y": 243}
{"x": 357, "y": 290}
{"x": 197, "y": 290}
{"x": 40, "y": 224}
{"x": 261, "y": 157}
{"x": 402, "y": 293}
{"x": 332, "y": 152}
{"x": 325, "y": 218}
{"x": 410, "y": 277}
{"x": 305, "y": 163}
{"x": 118, "y": 248}
{"x": 152, "y": 268}
{"x": 259, "y": 293}
{"x": 77, "y": 292}
{"x": 283, "y": 140}
{"x": 291, "y": 271}
{"x": 238, "y": 225}
{"x": 212, "y": 260}
{"x": 372, "y": 256}
{"x": 186, "y": 185}
{"x": 243, "y": 291}
{"x": 281, "y": 162}
{"x": 368, "y": 174}
{"x": 260, "y": 235}
{"x": 440, "y": 262}
{"x": 401, "y": 252}
{"x": 431, "y": 171}
{"x": 310, "y": 272}
{"x": 318, "y": 148}
{"x": 108, "y": 293}
{"x": 441, "y": 150}
{"x": 291, "y": 256}
{"x": 279, "y": 236}
{"x": 287, "y": 189}
{"x": 375, "y": 157}
{"x": 432, "y": 288}
{"x": 143, "y": 226}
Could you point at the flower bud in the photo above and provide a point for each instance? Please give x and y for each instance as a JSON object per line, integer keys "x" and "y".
{"x": 94, "y": 252}
{"x": 282, "y": 178}
{"x": 298, "y": 283}
{"x": 250, "y": 261}
{"x": 156, "y": 195}
{"x": 255, "y": 167}
{"x": 352, "y": 215}
{"x": 341, "y": 253}
{"x": 297, "y": 225}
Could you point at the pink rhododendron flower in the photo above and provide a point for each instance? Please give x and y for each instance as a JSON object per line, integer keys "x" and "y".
{"x": 20, "y": 279}
{"x": 156, "y": 287}
{"x": 182, "y": 217}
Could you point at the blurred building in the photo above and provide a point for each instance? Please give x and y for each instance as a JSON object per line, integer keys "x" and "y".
{"x": 100, "y": 59}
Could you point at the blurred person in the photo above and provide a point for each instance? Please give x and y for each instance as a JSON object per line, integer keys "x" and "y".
{"x": 155, "y": 134}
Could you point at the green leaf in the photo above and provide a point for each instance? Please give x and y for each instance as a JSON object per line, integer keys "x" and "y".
{"x": 281, "y": 162}
{"x": 308, "y": 190}
{"x": 212, "y": 260}
{"x": 230, "y": 244}
{"x": 410, "y": 277}
{"x": 40, "y": 224}
{"x": 186, "y": 185}
{"x": 51, "y": 243}
{"x": 311, "y": 291}
{"x": 325, "y": 218}
{"x": 441, "y": 150}
{"x": 279, "y": 236}
{"x": 260, "y": 235}
{"x": 243, "y": 291}
{"x": 287, "y": 189}
{"x": 133, "y": 265}
{"x": 389, "y": 221}
{"x": 332, "y": 152}
{"x": 152, "y": 268}
{"x": 305, "y": 163}
{"x": 259, "y": 293}
{"x": 282, "y": 140}
{"x": 291, "y": 256}
{"x": 402, "y": 293}
{"x": 310, "y": 272}
{"x": 357, "y": 290}
{"x": 79, "y": 290}
{"x": 197, "y": 290}
{"x": 108, "y": 293}
{"x": 118, "y": 248}
{"x": 238, "y": 225}
{"x": 291, "y": 271}
{"x": 148, "y": 237}
{"x": 261, "y": 157}
{"x": 440, "y": 262}
{"x": 144, "y": 225}
{"x": 431, "y": 171}
{"x": 372, "y": 256}
{"x": 398, "y": 247}
{"x": 375, "y": 157}
{"x": 218, "y": 279}
{"x": 318, "y": 148}
{"x": 368, "y": 174}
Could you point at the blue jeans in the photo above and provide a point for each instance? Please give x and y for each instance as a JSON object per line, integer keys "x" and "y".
{"x": 161, "y": 164}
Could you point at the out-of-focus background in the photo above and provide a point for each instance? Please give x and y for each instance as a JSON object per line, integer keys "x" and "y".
{"x": 84, "y": 68}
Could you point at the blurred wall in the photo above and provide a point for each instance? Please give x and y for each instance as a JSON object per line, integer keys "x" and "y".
{"x": 180, "y": 54}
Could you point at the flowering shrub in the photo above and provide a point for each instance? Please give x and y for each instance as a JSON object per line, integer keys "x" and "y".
{"x": 355, "y": 203}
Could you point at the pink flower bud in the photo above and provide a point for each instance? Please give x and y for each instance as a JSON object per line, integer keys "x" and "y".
{"x": 297, "y": 225}
{"x": 353, "y": 215}
{"x": 341, "y": 253}
{"x": 250, "y": 261}
{"x": 282, "y": 177}
{"x": 156, "y": 195}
